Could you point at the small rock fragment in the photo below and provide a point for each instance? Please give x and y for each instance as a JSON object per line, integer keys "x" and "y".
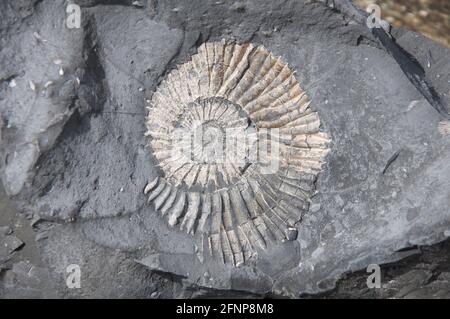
{"x": 10, "y": 244}
{"x": 39, "y": 37}
{"x": 137, "y": 4}
{"x": 238, "y": 7}
{"x": 154, "y": 294}
{"x": 292, "y": 234}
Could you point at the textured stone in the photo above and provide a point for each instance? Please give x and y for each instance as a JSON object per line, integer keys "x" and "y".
{"x": 77, "y": 157}
{"x": 9, "y": 244}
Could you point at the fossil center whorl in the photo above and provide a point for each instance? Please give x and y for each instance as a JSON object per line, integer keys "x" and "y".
{"x": 210, "y": 145}
{"x": 238, "y": 148}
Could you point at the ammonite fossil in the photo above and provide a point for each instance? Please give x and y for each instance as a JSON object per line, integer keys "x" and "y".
{"x": 238, "y": 147}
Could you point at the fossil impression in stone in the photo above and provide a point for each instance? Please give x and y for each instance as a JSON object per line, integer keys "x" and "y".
{"x": 238, "y": 147}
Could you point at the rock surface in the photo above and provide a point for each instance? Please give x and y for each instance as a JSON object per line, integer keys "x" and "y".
{"x": 74, "y": 159}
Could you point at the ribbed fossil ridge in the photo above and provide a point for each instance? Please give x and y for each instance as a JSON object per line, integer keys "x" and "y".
{"x": 236, "y": 207}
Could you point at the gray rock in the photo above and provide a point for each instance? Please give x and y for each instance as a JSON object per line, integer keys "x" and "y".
{"x": 10, "y": 244}
{"x": 423, "y": 275}
{"x": 5, "y": 230}
{"x": 292, "y": 234}
{"x": 25, "y": 280}
{"x": 74, "y": 153}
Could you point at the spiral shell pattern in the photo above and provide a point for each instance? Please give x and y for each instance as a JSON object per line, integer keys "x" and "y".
{"x": 242, "y": 95}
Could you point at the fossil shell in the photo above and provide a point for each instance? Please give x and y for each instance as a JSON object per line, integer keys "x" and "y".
{"x": 254, "y": 193}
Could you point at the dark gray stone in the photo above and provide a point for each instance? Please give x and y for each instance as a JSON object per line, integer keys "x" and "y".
{"x": 423, "y": 275}
{"x": 9, "y": 244}
{"x": 73, "y": 153}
